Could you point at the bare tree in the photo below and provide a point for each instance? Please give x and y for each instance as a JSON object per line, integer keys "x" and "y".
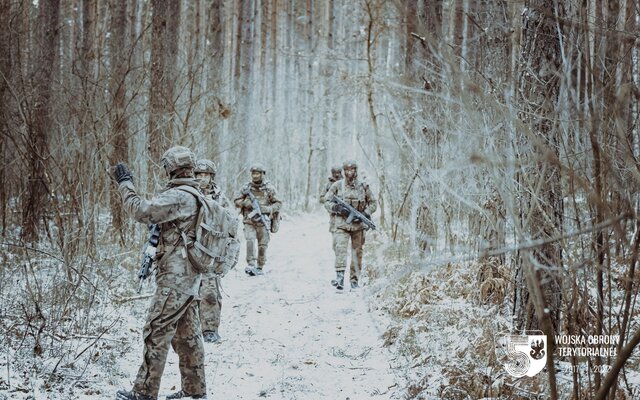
{"x": 119, "y": 118}
{"x": 538, "y": 303}
{"x": 39, "y": 117}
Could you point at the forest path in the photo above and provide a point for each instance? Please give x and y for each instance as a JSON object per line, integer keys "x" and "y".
{"x": 288, "y": 334}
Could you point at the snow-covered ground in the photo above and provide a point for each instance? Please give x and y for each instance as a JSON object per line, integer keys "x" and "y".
{"x": 288, "y": 334}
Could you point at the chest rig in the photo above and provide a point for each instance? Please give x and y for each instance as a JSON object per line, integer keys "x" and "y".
{"x": 354, "y": 194}
{"x": 261, "y": 192}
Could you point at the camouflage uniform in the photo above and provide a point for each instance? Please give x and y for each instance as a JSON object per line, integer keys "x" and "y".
{"x": 211, "y": 297}
{"x": 359, "y": 195}
{"x": 336, "y": 175}
{"x": 254, "y": 230}
{"x": 173, "y": 315}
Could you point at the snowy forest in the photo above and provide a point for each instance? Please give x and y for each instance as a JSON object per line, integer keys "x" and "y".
{"x": 500, "y": 139}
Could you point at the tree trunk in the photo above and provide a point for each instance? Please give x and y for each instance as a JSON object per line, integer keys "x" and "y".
{"x": 119, "y": 120}
{"x": 41, "y": 124}
{"x": 5, "y": 74}
{"x": 539, "y": 88}
{"x": 159, "y": 134}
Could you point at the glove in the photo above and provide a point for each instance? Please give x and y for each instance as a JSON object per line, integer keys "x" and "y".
{"x": 122, "y": 173}
{"x": 246, "y": 203}
{"x": 336, "y": 208}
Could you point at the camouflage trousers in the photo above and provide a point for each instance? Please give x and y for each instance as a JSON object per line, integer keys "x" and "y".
{"x": 173, "y": 321}
{"x": 259, "y": 233}
{"x": 341, "y": 240}
{"x": 210, "y": 303}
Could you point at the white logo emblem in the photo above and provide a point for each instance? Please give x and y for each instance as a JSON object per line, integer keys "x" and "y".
{"x": 524, "y": 354}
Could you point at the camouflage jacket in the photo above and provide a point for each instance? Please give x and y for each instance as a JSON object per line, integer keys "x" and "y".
{"x": 267, "y": 198}
{"x": 216, "y": 193}
{"x": 218, "y": 196}
{"x": 326, "y": 189}
{"x": 175, "y": 211}
{"x": 356, "y": 193}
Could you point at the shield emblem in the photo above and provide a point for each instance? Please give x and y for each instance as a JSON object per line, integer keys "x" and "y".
{"x": 522, "y": 354}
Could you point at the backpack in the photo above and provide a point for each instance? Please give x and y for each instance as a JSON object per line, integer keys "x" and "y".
{"x": 215, "y": 248}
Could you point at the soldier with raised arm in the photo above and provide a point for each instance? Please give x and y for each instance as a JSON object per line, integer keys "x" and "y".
{"x": 173, "y": 319}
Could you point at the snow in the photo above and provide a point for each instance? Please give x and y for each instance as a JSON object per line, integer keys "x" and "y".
{"x": 288, "y": 334}
{"x": 412, "y": 330}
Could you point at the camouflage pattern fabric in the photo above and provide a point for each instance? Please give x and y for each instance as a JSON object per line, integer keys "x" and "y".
{"x": 210, "y": 303}
{"x": 254, "y": 231}
{"x": 341, "y": 248}
{"x": 323, "y": 199}
{"x": 358, "y": 195}
{"x": 175, "y": 211}
{"x": 173, "y": 321}
{"x": 218, "y": 196}
{"x": 211, "y": 298}
{"x": 267, "y": 198}
{"x": 173, "y": 317}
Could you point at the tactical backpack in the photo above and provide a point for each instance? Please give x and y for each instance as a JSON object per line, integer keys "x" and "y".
{"x": 214, "y": 248}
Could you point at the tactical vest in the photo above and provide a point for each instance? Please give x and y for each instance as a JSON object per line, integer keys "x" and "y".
{"x": 261, "y": 193}
{"x": 354, "y": 195}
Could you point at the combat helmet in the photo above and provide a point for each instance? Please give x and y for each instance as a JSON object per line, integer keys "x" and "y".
{"x": 350, "y": 164}
{"x": 335, "y": 169}
{"x": 178, "y": 157}
{"x": 259, "y": 168}
{"x": 205, "y": 166}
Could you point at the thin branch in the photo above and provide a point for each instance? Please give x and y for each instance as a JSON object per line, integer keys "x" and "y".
{"x": 21, "y": 246}
{"x": 612, "y": 376}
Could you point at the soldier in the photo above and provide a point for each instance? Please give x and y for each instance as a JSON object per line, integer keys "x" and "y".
{"x": 205, "y": 173}
{"x": 336, "y": 175}
{"x": 358, "y": 194}
{"x": 211, "y": 299}
{"x": 173, "y": 317}
{"x": 254, "y": 227}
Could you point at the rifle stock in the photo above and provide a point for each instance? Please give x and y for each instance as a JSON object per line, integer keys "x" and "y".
{"x": 149, "y": 253}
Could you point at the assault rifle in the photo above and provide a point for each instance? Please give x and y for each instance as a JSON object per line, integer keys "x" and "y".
{"x": 351, "y": 213}
{"x": 257, "y": 213}
{"x": 149, "y": 253}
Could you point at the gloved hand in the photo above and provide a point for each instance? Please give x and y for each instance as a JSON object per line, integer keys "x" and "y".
{"x": 246, "y": 203}
{"x": 336, "y": 208}
{"x": 122, "y": 173}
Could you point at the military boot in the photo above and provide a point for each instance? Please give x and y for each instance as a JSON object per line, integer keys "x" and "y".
{"x": 211, "y": 336}
{"x": 251, "y": 270}
{"x": 181, "y": 394}
{"x": 339, "y": 281}
{"x": 126, "y": 395}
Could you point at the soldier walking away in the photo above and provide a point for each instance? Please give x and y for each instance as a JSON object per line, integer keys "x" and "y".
{"x": 173, "y": 317}
{"x": 358, "y": 194}
{"x": 211, "y": 298}
{"x": 259, "y": 205}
